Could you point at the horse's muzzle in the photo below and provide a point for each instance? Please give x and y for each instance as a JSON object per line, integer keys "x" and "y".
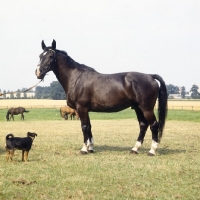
{"x": 39, "y": 74}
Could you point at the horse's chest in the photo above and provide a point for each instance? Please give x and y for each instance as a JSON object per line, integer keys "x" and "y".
{"x": 71, "y": 102}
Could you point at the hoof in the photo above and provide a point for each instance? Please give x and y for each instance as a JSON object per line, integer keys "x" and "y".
{"x": 83, "y": 152}
{"x": 133, "y": 152}
{"x": 151, "y": 154}
{"x": 90, "y": 151}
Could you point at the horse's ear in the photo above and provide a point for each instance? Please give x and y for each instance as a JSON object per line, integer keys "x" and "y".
{"x": 54, "y": 45}
{"x": 43, "y": 45}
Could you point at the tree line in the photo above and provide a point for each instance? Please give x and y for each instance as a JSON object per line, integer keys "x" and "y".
{"x": 56, "y": 92}
{"x": 194, "y": 91}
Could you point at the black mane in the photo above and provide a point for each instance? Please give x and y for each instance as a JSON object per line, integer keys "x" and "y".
{"x": 72, "y": 63}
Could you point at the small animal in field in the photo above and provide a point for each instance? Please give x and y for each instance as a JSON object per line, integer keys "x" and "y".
{"x": 15, "y": 111}
{"x": 66, "y": 110}
{"x": 19, "y": 143}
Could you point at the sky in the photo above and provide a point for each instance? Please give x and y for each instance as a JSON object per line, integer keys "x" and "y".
{"x": 154, "y": 37}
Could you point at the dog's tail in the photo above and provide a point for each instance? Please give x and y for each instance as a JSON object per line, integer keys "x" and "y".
{"x": 10, "y": 135}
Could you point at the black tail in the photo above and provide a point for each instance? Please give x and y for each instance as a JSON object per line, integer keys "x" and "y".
{"x": 9, "y": 136}
{"x": 26, "y": 110}
{"x": 7, "y": 115}
{"x": 162, "y": 105}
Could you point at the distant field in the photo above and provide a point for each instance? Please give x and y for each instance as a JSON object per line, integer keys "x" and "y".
{"x": 46, "y": 103}
{"x": 29, "y": 103}
{"x": 184, "y": 104}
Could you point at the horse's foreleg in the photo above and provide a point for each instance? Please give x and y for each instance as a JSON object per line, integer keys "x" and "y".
{"x": 143, "y": 129}
{"x": 88, "y": 144}
{"x": 90, "y": 141}
{"x": 12, "y": 117}
{"x": 154, "y": 144}
{"x": 66, "y": 116}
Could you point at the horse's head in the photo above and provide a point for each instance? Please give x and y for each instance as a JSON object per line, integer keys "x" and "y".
{"x": 47, "y": 60}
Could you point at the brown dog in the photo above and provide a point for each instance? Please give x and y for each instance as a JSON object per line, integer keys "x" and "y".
{"x": 19, "y": 143}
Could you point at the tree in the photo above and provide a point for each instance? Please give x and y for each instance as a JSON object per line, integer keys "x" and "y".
{"x": 4, "y": 94}
{"x": 57, "y": 91}
{"x": 39, "y": 92}
{"x": 183, "y": 92}
{"x": 18, "y": 95}
{"x": 172, "y": 89}
{"x": 195, "y": 94}
{"x": 12, "y": 95}
{"x": 25, "y": 95}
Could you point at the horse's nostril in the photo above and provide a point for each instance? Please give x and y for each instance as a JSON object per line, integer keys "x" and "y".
{"x": 38, "y": 71}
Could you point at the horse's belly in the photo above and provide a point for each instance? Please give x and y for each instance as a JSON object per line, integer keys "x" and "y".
{"x": 96, "y": 107}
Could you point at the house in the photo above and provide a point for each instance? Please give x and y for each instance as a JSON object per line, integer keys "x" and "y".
{"x": 29, "y": 94}
{"x": 174, "y": 96}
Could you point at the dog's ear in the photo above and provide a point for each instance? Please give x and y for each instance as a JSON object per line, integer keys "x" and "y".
{"x": 28, "y": 134}
{"x": 35, "y": 134}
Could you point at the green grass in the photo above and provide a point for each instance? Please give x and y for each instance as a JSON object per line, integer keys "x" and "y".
{"x": 56, "y": 170}
{"x": 36, "y": 114}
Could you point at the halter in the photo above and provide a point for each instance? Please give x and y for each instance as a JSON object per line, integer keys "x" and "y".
{"x": 54, "y": 60}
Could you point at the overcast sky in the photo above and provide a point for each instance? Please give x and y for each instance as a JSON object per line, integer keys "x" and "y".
{"x": 149, "y": 36}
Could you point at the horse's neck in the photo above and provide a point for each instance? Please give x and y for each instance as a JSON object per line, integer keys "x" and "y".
{"x": 65, "y": 74}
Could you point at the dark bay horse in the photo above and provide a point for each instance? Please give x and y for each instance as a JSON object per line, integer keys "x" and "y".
{"x": 87, "y": 90}
{"x": 15, "y": 111}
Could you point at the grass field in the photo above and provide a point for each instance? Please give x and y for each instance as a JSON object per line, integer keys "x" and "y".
{"x": 56, "y": 170}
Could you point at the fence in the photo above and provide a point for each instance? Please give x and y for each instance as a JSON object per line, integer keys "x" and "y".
{"x": 170, "y": 107}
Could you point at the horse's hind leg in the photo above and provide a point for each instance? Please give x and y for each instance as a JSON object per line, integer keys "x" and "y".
{"x": 151, "y": 119}
{"x": 154, "y": 145}
{"x": 22, "y": 116}
{"x": 143, "y": 124}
